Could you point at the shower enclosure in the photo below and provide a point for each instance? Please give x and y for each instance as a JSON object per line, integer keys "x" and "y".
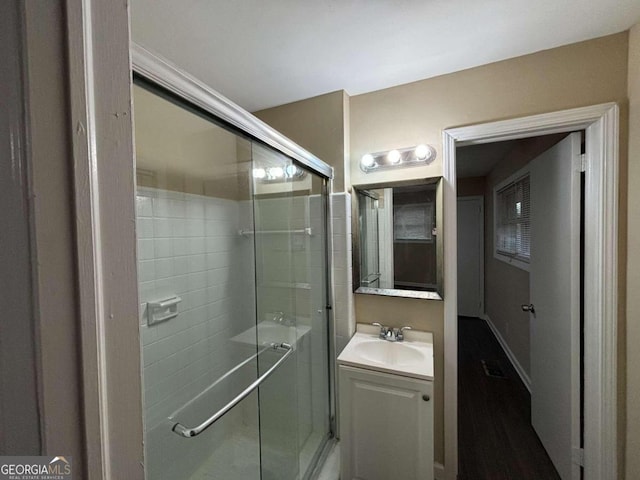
{"x": 232, "y": 270}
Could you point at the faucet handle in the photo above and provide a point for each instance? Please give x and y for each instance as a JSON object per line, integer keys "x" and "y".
{"x": 384, "y": 330}
{"x": 400, "y": 333}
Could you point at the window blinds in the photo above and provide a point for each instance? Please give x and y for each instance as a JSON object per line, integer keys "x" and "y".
{"x": 513, "y": 229}
{"x": 413, "y": 222}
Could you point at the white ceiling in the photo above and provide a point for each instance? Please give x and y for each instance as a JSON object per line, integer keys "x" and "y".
{"x": 262, "y": 53}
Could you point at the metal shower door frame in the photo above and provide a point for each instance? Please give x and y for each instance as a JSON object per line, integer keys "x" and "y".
{"x": 158, "y": 71}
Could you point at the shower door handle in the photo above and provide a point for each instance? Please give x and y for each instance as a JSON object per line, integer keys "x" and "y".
{"x": 190, "y": 432}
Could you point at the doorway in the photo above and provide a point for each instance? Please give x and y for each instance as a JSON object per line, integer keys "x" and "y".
{"x": 532, "y": 190}
{"x": 600, "y": 123}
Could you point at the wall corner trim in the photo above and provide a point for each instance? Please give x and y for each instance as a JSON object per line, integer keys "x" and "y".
{"x": 510, "y": 355}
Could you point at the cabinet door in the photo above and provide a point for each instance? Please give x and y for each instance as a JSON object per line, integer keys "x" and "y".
{"x": 386, "y": 426}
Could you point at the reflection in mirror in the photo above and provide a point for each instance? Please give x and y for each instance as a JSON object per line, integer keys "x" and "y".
{"x": 396, "y": 252}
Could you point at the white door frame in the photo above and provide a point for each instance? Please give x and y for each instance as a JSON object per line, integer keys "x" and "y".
{"x": 101, "y": 134}
{"x": 480, "y": 199}
{"x": 601, "y": 272}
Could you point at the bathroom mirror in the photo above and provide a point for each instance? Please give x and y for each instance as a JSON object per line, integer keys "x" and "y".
{"x": 397, "y": 246}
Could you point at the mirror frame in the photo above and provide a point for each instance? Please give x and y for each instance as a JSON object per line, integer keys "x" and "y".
{"x": 356, "y": 234}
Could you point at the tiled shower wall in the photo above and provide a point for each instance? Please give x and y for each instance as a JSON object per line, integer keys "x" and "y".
{"x": 344, "y": 314}
{"x": 187, "y": 244}
{"x": 186, "y": 247}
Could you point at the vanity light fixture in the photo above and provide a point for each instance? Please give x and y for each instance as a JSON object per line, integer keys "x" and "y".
{"x": 367, "y": 160}
{"x": 422, "y": 152}
{"x": 259, "y": 173}
{"x": 398, "y": 158}
{"x": 394, "y": 157}
{"x": 279, "y": 174}
{"x": 275, "y": 172}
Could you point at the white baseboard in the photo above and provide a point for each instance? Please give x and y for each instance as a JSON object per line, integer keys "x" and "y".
{"x": 438, "y": 471}
{"x": 512, "y": 358}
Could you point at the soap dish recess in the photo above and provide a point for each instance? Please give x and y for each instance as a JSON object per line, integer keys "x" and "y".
{"x": 162, "y": 310}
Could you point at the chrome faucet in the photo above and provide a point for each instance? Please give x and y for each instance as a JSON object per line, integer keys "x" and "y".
{"x": 399, "y": 333}
{"x": 391, "y": 334}
{"x": 282, "y": 319}
{"x": 385, "y": 332}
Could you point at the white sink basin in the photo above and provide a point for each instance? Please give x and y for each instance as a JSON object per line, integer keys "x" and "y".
{"x": 389, "y": 353}
{"x": 412, "y": 357}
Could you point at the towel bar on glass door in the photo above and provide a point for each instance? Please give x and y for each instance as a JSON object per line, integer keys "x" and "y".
{"x": 188, "y": 432}
{"x": 303, "y": 231}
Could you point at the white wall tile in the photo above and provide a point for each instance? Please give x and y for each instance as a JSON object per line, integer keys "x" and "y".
{"x": 161, "y": 207}
{"x": 146, "y": 270}
{"x": 173, "y": 260}
{"x": 196, "y": 263}
{"x": 196, "y": 245}
{"x": 344, "y": 315}
{"x": 164, "y": 268}
{"x": 177, "y": 227}
{"x": 194, "y": 207}
{"x": 180, "y": 246}
{"x": 163, "y": 247}
{"x": 162, "y": 228}
{"x": 143, "y": 206}
{"x": 145, "y": 249}
{"x": 194, "y": 227}
{"x": 144, "y": 227}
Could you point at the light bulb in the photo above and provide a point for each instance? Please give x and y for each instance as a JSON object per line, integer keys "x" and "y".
{"x": 291, "y": 170}
{"x": 394, "y": 157}
{"x": 259, "y": 173}
{"x": 367, "y": 160}
{"x": 422, "y": 152}
{"x": 276, "y": 172}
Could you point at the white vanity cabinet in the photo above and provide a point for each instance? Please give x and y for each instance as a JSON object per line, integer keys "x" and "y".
{"x": 386, "y": 426}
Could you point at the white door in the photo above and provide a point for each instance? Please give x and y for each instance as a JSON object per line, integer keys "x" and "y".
{"x": 555, "y": 295}
{"x": 470, "y": 256}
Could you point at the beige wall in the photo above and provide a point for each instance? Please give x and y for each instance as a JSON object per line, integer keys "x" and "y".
{"x": 633, "y": 261}
{"x": 507, "y": 287}
{"x": 320, "y": 125}
{"x": 581, "y": 74}
{"x": 576, "y": 75}
{"x": 181, "y": 151}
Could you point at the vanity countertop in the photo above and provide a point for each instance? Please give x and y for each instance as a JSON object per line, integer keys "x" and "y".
{"x": 412, "y": 357}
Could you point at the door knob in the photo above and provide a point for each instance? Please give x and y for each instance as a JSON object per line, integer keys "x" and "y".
{"x": 528, "y": 308}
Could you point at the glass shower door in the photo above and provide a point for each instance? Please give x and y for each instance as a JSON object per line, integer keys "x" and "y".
{"x": 232, "y": 280}
{"x": 290, "y": 236}
{"x": 197, "y": 293}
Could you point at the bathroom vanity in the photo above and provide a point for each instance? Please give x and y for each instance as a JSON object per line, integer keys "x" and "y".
{"x": 386, "y": 406}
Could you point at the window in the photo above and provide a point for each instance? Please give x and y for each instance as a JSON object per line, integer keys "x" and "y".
{"x": 413, "y": 222}
{"x": 512, "y": 221}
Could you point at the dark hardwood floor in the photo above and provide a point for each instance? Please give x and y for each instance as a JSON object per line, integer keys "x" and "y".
{"x": 495, "y": 438}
